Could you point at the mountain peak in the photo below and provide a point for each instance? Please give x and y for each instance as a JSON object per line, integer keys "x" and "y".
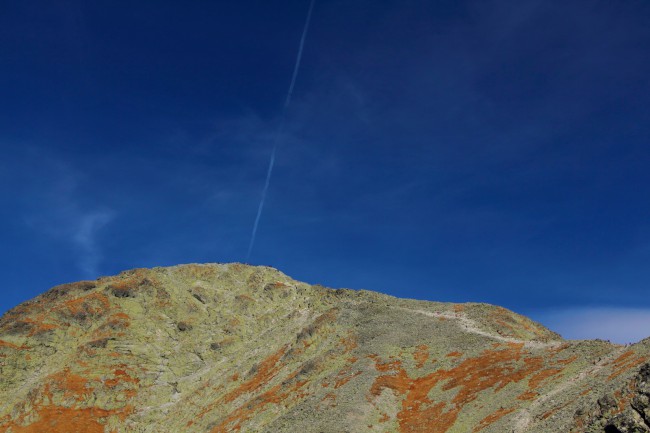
{"x": 233, "y": 347}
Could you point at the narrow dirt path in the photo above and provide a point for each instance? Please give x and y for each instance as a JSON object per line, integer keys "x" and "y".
{"x": 471, "y": 326}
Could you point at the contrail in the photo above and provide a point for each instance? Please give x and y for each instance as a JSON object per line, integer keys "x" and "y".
{"x": 280, "y": 130}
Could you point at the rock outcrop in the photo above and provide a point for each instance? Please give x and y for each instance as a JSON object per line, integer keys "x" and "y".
{"x": 235, "y": 348}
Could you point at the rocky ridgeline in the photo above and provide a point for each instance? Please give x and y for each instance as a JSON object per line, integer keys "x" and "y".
{"x": 235, "y": 348}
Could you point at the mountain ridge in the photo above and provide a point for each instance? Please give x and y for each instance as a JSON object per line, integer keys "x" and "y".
{"x": 233, "y": 347}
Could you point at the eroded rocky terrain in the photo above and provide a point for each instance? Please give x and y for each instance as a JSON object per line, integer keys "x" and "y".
{"x": 235, "y": 348}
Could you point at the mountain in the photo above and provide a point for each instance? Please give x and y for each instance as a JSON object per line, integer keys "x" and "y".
{"x": 236, "y": 348}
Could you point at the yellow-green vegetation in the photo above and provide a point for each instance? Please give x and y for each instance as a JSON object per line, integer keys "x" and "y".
{"x": 231, "y": 347}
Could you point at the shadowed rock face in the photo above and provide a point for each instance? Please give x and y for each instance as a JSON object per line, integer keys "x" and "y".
{"x": 235, "y": 348}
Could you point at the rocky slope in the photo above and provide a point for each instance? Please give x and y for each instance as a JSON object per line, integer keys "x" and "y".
{"x": 235, "y": 348}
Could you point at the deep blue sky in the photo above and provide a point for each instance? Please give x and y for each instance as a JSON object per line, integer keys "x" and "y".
{"x": 489, "y": 150}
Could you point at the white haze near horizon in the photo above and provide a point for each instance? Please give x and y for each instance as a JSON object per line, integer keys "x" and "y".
{"x": 618, "y": 325}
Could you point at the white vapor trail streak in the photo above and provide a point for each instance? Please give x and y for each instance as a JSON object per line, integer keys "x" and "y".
{"x": 280, "y": 130}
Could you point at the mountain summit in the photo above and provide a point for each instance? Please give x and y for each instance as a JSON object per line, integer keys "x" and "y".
{"x": 237, "y": 348}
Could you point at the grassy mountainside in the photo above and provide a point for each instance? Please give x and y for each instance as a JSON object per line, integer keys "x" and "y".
{"x": 231, "y": 347}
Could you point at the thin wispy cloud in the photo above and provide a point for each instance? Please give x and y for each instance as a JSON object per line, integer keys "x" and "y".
{"x": 61, "y": 212}
{"x": 85, "y": 231}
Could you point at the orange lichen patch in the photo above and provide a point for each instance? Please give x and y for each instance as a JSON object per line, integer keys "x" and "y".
{"x": 459, "y": 308}
{"x": 492, "y": 418}
{"x": 94, "y": 304}
{"x": 532, "y": 327}
{"x": 121, "y": 376}
{"x": 345, "y": 375}
{"x": 76, "y": 387}
{"x": 385, "y": 366}
{"x": 265, "y": 372}
{"x": 349, "y": 343}
{"x": 320, "y": 322}
{"x": 513, "y": 325}
{"x": 492, "y": 369}
{"x": 42, "y": 415}
{"x": 454, "y": 354}
{"x": 42, "y": 327}
{"x": 70, "y": 384}
{"x": 621, "y": 401}
{"x": 625, "y": 362}
{"x": 400, "y": 382}
{"x": 114, "y": 322}
{"x": 345, "y": 379}
{"x": 421, "y": 355}
{"x": 633, "y": 364}
{"x": 384, "y": 418}
{"x": 537, "y": 379}
{"x": 12, "y": 345}
{"x": 129, "y": 284}
{"x": 527, "y": 326}
{"x": 567, "y": 360}
{"x": 55, "y": 419}
{"x": 508, "y": 322}
{"x": 38, "y": 327}
{"x": 121, "y": 319}
{"x": 549, "y": 413}
{"x": 555, "y": 410}
{"x": 277, "y": 394}
{"x": 514, "y": 345}
{"x": 202, "y": 392}
{"x": 528, "y": 395}
{"x": 622, "y": 358}
{"x": 234, "y": 377}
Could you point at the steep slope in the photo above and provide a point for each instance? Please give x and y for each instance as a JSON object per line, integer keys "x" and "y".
{"x": 228, "y": 348}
